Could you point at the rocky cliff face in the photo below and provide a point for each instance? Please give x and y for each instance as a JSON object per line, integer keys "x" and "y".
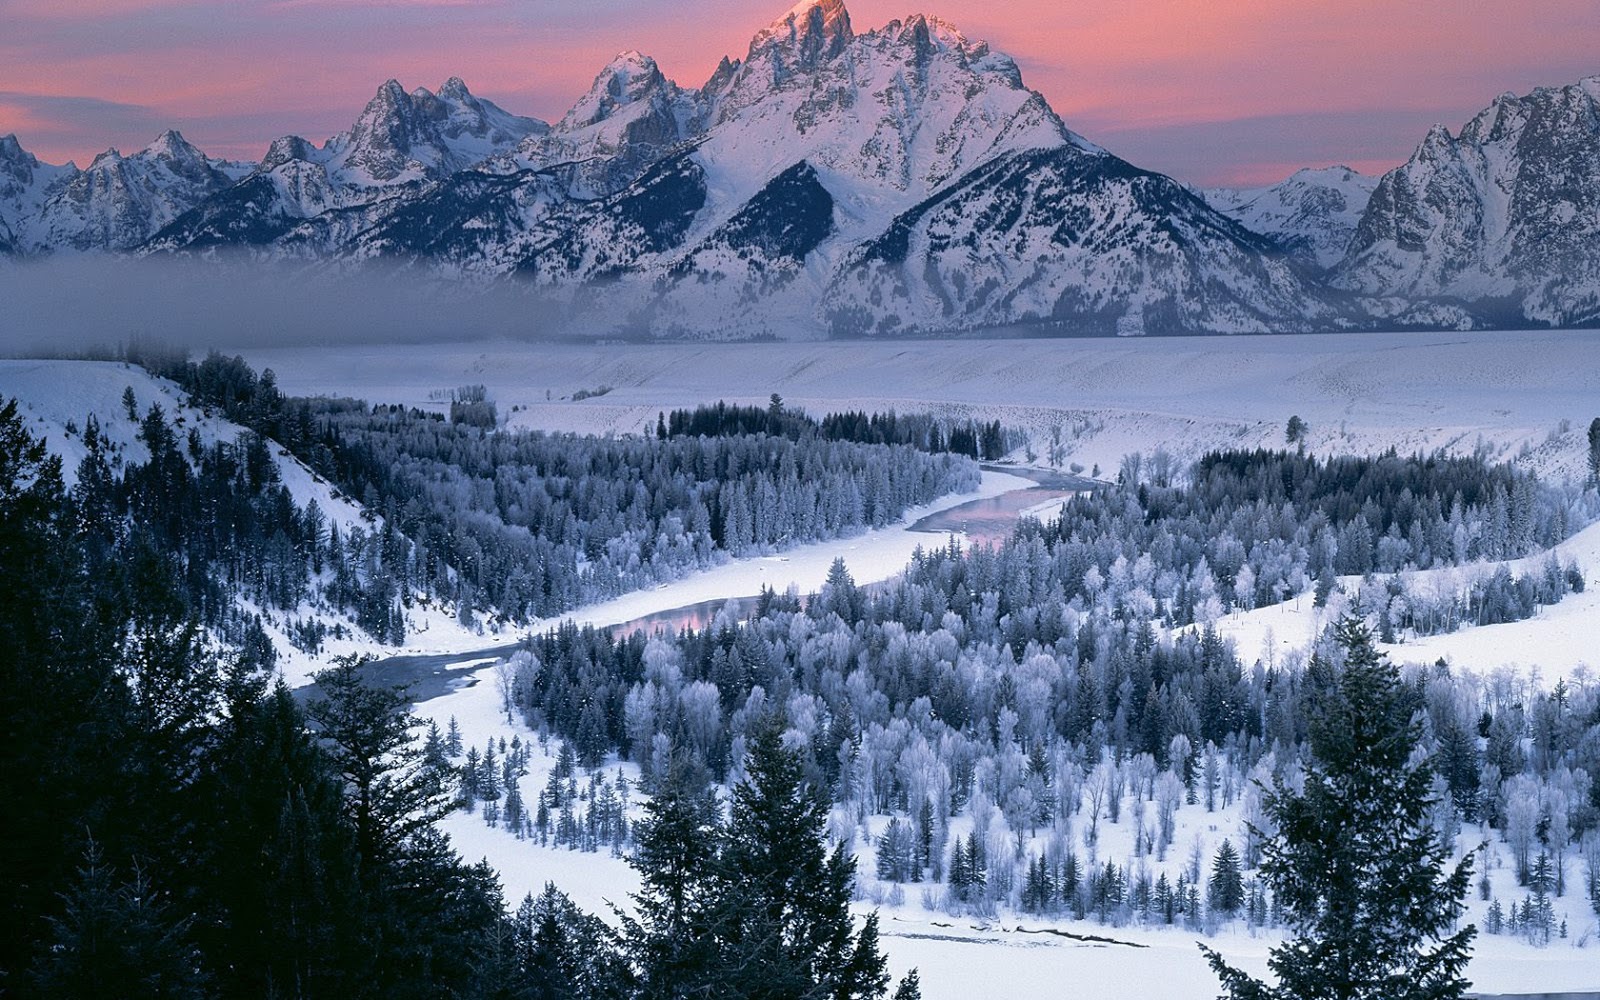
{"x": 1504, "y": 216}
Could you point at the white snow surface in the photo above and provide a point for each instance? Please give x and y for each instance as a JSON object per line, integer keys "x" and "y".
{"x": 1360, "y": 393}
{"x": 1562, "y": 641}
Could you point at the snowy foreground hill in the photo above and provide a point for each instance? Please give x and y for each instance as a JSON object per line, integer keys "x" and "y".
{"x": 836, "y": 181}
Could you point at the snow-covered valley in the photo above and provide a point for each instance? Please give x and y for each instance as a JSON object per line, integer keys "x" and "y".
{"x": 1523, "y": 398}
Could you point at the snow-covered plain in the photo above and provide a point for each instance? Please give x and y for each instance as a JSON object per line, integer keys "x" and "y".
{"x": 1103, "y": 398}
{"x": 1562, "y": 641}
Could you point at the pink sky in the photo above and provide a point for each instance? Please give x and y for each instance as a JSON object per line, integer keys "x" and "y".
{"x": 1211, "y": 91}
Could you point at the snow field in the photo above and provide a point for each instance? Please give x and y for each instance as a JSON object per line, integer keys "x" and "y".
{"x": 1528, "y": 395}
{"x": 1561, "y": 641}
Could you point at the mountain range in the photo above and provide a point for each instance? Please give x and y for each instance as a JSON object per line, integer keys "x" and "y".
{"x": 902, "y": 180}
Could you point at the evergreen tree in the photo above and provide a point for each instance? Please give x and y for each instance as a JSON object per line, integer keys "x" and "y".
{"x": 370, "y": 740}
{"x": 1594, "y": 450}
{"x": 1362, "y": 877}
{"x": 783, "y": 912}
{"x": 910, "y": 987}
{"x": 676, "y": 846}
{"x": 117, "y": 941}
{"x": 1226, "y": 889}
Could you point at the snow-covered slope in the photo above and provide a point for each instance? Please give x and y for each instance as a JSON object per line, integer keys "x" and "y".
{"x": 1312, "y": 213}
{"x": 1079, "y": 239}
{"x": 1505, "y": 215}
{"x": 56, "y": 399}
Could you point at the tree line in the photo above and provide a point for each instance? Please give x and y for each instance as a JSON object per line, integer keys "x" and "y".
{"x": 986, "y": 440}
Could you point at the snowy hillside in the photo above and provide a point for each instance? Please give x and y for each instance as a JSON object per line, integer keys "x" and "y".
{"x": 56, "y": 399}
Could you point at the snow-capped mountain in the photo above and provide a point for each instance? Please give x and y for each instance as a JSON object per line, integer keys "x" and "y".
{"x": 403, "y": 137}
{"x": 1505, "y": 216}
{"x": 26, "y": 184}
{"x": 835, "y": 182}
{"x": 1312, "y": 213}
{"x": 303, "y": 196}
{"x": 812, "y": 153}
{"x": 631, "y": 117}
{"x": 119, "y": 202}
{"x": 1075, "y": 238}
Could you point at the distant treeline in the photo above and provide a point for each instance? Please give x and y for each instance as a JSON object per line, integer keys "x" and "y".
{"x": 975, "y": 439}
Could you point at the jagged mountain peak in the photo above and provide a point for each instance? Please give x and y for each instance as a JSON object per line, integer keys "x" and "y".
{"x": 11, "y": 150}
{"x": 812, "y": 33}
{"x": 627, "y": 79}
{"x": 173, "y": 146}
{"x": 286, "y": 148}
{"x": 1312, "y": 213}
{"x": 403, "y": 137}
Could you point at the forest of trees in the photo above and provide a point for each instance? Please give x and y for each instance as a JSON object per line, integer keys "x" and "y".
{"x": 178, "y": 825}
{"x": 520, "y": 525}
{"x": 1069, "y": 679}
{"x": 980, "y": 440}
{"x": 532, "y": 524}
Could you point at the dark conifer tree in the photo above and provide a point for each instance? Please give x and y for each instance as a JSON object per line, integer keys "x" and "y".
{"x": 910, "y": 987}
{"x": 1363, "y": 879}
{"x": 117, "y": 940}
{"x": 1226, "y": 889}
{"x": 783, "y": 913}
{"x": 677, "y": 841}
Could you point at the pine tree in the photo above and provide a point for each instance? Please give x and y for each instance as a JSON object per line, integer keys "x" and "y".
{"x": 677, "y": 843}
{"x": 910, "y": 987}
{"x": 117, "y": 941}
{"x": 1362, "y": 877}
{"x": 1594, "y": 450}
{"x": 1226, "y": 889}
{"x": 390, "y": 797}
{"x": 784, "y": 907}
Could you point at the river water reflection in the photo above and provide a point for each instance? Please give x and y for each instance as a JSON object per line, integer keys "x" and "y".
{"x": 988, "y": 521}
